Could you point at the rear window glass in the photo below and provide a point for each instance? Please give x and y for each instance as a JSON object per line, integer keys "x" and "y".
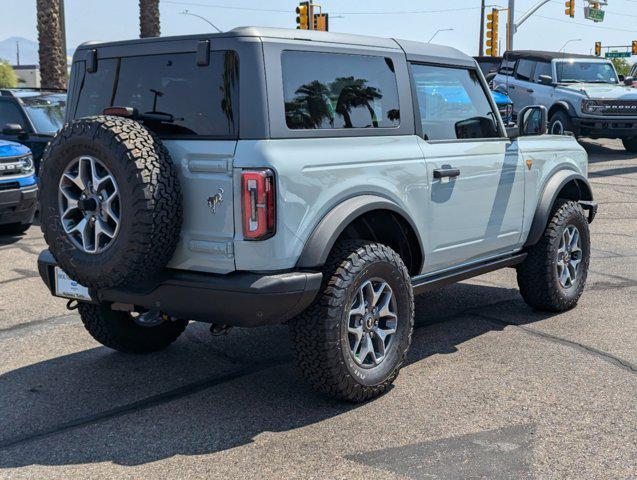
{"x": 184, "y": 99}
{"x": 335, "y": 91}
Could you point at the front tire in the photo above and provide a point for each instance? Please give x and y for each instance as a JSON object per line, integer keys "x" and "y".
{"x": 118, "y": 330}
{"x": 553, "y": 276}
{"x": 630, "y": 144}
{"x": 352, "y": 341}
{"x": 560, "y": 123}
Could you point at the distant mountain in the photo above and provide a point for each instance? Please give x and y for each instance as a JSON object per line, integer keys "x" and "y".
{"x": 28, "y": 51}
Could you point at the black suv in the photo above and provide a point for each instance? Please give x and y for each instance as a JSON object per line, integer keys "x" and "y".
{"x": 31, "y": 117}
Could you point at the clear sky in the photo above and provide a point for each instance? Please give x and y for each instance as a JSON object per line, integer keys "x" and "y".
{"x": 549, "y": 29}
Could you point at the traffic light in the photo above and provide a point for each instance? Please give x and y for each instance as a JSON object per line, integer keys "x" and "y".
{"x": 492, "y": 32}
{"x": 321, "y": 22}
{"x": 570, "y": 8}
{"x": 598, "y": 49}
{"x": 303, "y": 16}
{"x": 634, "y": 47}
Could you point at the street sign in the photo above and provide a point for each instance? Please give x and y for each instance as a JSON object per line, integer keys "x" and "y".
{"x": 594, "y": 14}
{"x": 618, "y": 55}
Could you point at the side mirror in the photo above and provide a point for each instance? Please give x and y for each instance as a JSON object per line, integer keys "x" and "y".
{"x": 621, "y": 77}
{"x": 629, "y": 81}
{"x": 533, "y": 120}
{"x": 545, "y": 79}
{"x": 12, "y": 129}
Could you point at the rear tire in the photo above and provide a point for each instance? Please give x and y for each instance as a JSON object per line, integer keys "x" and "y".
{"x": 630, "y": 144}
{"x": 118, "y": 330}
{"x": 333, "y": 341}
{"x": 547, "y": 279}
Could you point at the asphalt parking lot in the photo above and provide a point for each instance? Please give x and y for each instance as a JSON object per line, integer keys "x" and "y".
{"x": 492, "y": 389}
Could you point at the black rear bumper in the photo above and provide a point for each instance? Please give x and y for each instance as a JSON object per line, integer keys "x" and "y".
{"x": 239, "y": 299}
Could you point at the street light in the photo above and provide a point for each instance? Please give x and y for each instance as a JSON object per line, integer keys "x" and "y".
{"x": 569, "y": 41}
{"x": 186, "y": 12}
{"x": 438, "y": 31}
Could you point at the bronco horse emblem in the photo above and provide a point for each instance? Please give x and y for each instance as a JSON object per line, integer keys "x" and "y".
{"x": 215, "y": 200}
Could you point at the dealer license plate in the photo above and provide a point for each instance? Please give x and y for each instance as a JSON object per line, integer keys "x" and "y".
{"x": 68, "y": 288}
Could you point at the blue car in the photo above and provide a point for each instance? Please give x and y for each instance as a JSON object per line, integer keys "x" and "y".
{"x": 505, "y": 106}
{"x": 18, "y": 188}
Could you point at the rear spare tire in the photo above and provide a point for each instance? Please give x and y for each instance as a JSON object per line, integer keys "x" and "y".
{"x": 110, "y": 201}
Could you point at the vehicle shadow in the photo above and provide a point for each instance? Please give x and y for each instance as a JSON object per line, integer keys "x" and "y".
{"x": 602, "y": 153}
{"x": 204, "y": 394}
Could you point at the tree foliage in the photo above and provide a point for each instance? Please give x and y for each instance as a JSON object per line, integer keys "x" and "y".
{"x": 8, "y": 78}
{"x": 621, "y": 65}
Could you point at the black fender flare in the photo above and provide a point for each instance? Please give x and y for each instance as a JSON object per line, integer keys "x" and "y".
{"x": 548, "y": 197}
{"x": 562, "y": 104}
{"x": 320, "y": 242}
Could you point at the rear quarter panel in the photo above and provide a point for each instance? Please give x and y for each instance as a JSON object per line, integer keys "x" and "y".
{"x": 315, "y": 175}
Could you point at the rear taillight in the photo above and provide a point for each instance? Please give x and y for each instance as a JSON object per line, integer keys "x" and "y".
{"x": 258, "y": 204}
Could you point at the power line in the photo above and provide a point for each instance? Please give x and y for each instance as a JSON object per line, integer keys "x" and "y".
{"x": 584, "y": 24}
{"x": 404, "y": 12}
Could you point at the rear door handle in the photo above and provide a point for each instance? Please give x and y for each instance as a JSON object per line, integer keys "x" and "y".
{"x": 530, "y": 90}
{"x": 512, "y": 87}
{"x": 446, "y": 172}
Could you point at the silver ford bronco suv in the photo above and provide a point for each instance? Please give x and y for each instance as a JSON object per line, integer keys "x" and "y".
{"x": 264, "y": 176}
{"x": 584, "y": 95}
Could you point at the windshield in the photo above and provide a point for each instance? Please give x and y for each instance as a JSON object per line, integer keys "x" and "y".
{"x": 46, "y": 112}
{"x": 586, "y": 72}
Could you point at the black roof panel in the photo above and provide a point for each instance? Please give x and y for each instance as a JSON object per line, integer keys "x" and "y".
{"x": 544, "y": 56}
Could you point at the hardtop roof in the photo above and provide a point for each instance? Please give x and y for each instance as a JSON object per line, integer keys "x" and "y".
{"x": 414, "y": 50}
{"x": 539, "y": 55}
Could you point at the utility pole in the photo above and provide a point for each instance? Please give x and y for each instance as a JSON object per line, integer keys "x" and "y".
{"x": 481, "y": 49}
{"x": 511, "y": 27}
{"x": 17, "y": 53}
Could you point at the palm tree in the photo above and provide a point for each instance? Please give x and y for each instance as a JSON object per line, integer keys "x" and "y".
{"x": 355, "y": 93}
{"x": 149, "y": 18}
{"x": 51, "y": 43}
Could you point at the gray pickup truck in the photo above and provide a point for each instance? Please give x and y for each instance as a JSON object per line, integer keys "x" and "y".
{"x": 584, "y": 95}
{"x": 265, "y": 176}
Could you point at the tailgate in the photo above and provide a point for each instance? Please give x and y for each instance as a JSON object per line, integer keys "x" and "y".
{"x": 205, "y": 173}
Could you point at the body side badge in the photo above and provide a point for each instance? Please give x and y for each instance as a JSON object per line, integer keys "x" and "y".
{"x": 529, "y": 163}
{"x": 215, "y": 200}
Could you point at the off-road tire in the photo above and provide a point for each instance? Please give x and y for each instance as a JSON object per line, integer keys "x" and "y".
{"x": 537, "y": 275}
{"x": 564, "y": 119}
{"x": 323, "y": 358}
{"x": 118, "y": 331}
{"x": 630, "y": 144}
{"x": 14, "y": 228}
{"x": 150, "y": 199}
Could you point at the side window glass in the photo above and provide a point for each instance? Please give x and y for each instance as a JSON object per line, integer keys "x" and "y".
{"x": 453, "y": 104}
{"x": 10, "y": 113}
{"x": 507, "y": 66}
{"x": 335, "y": 91}
{"x": 524, "y": 70}
{"x": 542, "y": 68}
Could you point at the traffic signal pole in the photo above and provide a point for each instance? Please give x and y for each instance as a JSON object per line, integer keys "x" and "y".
{"x": 481, "y": 50}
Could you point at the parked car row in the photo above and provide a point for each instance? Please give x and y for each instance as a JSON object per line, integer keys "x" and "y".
{"x": 29, "y": 118}
{"x": 583, "y": 95}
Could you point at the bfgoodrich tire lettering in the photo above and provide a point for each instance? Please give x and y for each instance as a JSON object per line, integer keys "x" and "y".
{"x": 149, "y": 200}
{"x": 321, "y": 333}
{"x": 538, "y": 276}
